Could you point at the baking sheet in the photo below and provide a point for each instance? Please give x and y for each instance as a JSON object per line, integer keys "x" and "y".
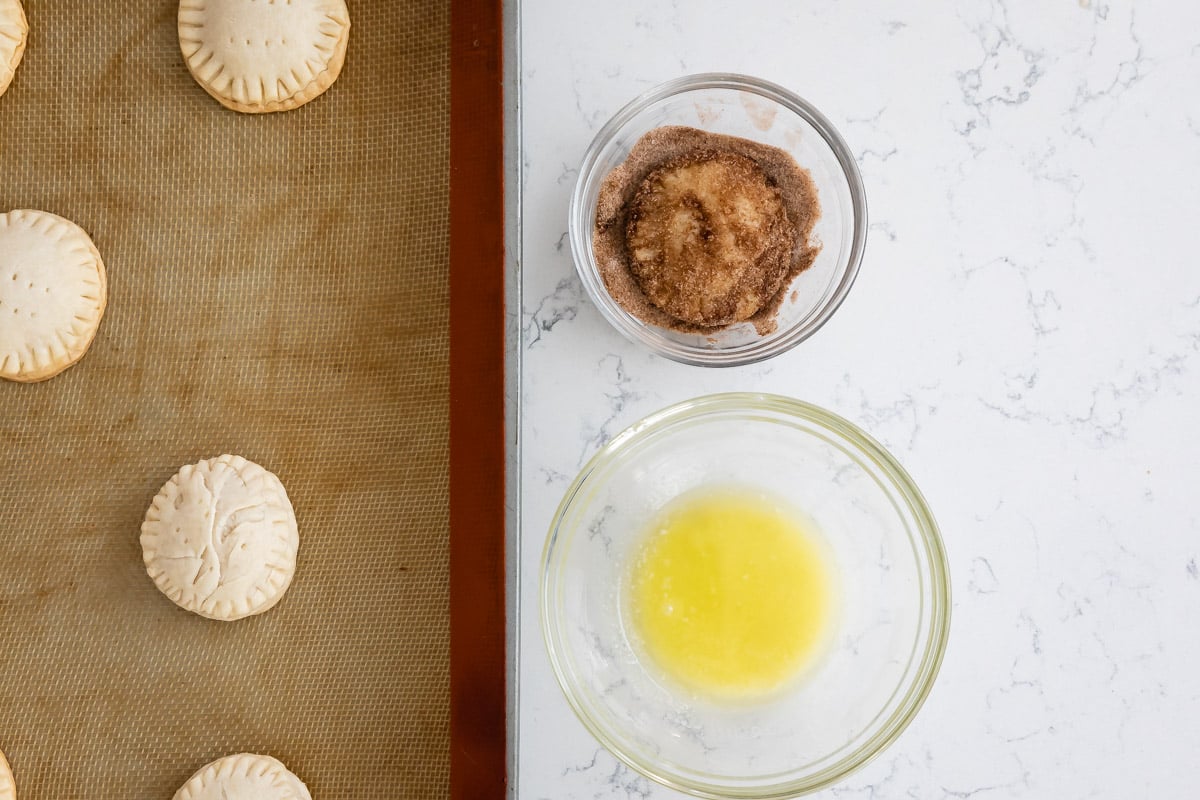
{"x": 278, "y": 289}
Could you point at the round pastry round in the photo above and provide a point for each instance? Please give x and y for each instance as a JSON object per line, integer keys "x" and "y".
{"x": 709, "y": 239}
{"x": 244, "y": 777}
{"x": 258, "y": 56}
{"x": 220, "y": 539}
{"x": 14, "y": 30}
{"x": 8, "y": 787}
{"x": 53, "y": 290}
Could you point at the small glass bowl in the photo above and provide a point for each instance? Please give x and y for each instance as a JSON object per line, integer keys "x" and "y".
{"x": 735, "y": 105}
{"x": 892, "y": 599}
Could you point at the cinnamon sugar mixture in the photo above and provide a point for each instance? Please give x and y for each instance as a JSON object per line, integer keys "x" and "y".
{"x": 697, "y": 231}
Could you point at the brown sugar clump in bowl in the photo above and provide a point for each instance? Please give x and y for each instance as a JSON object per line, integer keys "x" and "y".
{"x": 708, "y": 238}
{"x": 697, "y": 231}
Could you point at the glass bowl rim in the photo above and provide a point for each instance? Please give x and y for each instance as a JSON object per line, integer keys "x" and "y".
{"x": 934, "y": 648}
{"x": 633, "y": 328}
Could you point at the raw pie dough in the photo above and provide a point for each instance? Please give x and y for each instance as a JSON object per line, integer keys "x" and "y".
{"x": 244, "y": 777}
{"x": 220, "y": 539}
{"x": 257, "y": 56}
{"x": 8, "y": 789}
{"x": 14, "y": 30}
{"x": 53, "y": 290}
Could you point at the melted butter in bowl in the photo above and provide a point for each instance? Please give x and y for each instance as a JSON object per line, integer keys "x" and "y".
{"x": 730, "y": 593}
{"x": 744, "y": 596}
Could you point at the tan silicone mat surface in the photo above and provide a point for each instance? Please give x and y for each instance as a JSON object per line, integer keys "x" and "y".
{"x": 278, "y": 290}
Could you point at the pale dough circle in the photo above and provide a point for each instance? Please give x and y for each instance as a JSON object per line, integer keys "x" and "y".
{"x": 258, "y": 56}
{"x": 220, "y": 539}
{"x": 14, "y": 31}
{"x": 53, "y": 290}
{"x": 244, "y": 777}
{"x": 8, "y": 787}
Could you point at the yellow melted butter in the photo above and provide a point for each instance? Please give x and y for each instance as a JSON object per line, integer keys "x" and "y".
{"x": 730, "y": 593}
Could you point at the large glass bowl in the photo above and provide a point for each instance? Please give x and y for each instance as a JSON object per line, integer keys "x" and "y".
{"x": 893, "y": 598}
{"x": 736, "y": 105}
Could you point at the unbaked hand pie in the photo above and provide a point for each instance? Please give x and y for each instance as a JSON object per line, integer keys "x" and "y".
{"x": 53, "y": 291}
{"x": 220, "y": 539}
{"x": 258, "y": 56}
{"x": 14, "y": 30}
{"x": 244, "y": 777}
{"x": 8, "y": 788}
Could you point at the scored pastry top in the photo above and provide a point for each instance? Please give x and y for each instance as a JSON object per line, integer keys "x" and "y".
{"x": 220, "y": 539}
{"x": 244, "y": 777}
{"x": 53, "y": 291}
{"x": 264, "y": 55}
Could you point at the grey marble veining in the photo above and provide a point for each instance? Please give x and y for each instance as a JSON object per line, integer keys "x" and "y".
{"x": 1024, "y": 336}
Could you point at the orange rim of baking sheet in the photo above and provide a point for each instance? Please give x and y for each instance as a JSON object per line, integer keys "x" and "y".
{"x": 478, "y": 705}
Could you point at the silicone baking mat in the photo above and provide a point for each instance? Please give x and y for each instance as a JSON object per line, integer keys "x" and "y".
{"x": 278, "y": 290}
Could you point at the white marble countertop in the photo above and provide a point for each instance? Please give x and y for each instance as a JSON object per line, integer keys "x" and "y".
{"x": 1024, "y": 336}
